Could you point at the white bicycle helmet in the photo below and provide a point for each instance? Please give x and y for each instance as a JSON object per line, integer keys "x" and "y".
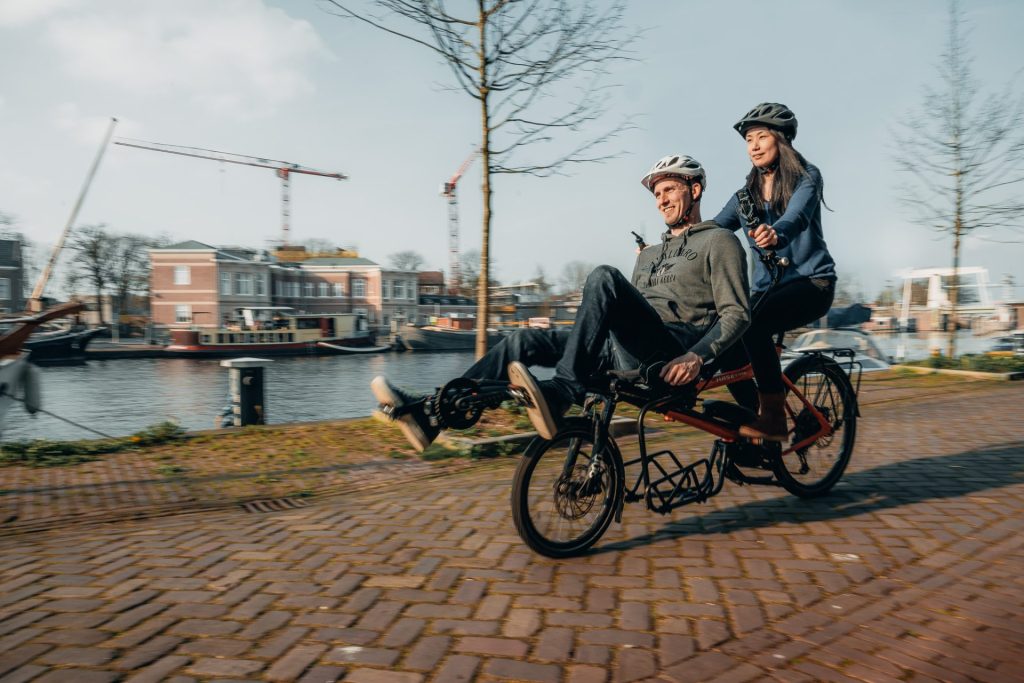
{"x": 676, "y": 165}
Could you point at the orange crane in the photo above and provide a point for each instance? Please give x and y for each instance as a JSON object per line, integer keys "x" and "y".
{"x": 284, "y": 169}
{"x": 448, "y": 192}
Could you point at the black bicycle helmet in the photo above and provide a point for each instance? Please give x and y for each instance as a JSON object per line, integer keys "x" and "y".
{"x": 770, "y": 114}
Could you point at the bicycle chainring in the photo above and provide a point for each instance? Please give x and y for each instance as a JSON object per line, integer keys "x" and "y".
{"x": 457, "y": 405}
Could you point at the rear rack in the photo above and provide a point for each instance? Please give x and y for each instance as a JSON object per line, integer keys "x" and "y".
{"x": 846, "y": 359}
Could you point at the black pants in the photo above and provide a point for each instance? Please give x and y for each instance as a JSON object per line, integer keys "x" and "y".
{"x": 788, "y": 306}
{"x": 615, "y": 327}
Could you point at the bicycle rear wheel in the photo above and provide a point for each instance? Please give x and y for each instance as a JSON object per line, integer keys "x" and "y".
{"x": 813, "y": 470}
{"x": 564, "y": 494}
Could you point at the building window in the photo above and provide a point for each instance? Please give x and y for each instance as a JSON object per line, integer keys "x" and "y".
{"x": 182, "y": 275}
{"x": 295, "y": 290}
{"x": 225, "y": 284}
{"x": 399, "y": 289}
{"x": 339, "y": 289}
{"x": 323, "y": 289}
{"x": 261, "y": 285}
{"x": 307, "y": 289}
{"x": 243, "y": 284}
{"x": 182, "y": 313}
{"x": 385, "y": 289}
{"x": 359, "y": 288}
{"x": 5, "y": 288}
{"x": 412, "y": 291}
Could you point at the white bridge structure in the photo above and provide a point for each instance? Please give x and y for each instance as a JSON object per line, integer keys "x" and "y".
{"x": 926, "y": 296}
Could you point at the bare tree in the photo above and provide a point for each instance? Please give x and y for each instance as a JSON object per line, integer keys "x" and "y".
{"x": 574, "y": 276}
{"x": 406, "y": 260}
{"x": 518, "y": 59}
{"x": 469, "y": 269}
{"x": 94, "y": 247}
{"x": 128, "y": 270}
{"x": 962, "y": 156}
{"x": 319, "y": 245}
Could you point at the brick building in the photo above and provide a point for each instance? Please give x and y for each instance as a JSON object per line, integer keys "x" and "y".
{"x": 195, "y": 284}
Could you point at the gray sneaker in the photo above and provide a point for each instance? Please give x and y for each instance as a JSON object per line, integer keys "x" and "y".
{"x": 415, "y": 424}
{"x": 545, "y": 408}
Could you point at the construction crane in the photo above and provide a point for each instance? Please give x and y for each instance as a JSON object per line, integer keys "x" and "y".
{"x": 284, "y": 169}
{"x": 448, "y": 191}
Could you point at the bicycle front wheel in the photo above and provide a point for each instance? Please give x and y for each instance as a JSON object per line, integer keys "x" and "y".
{"x": 565, "y": 494}
{"x": 814, "y": 469}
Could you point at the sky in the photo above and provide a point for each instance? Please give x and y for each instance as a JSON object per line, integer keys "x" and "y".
{"x": 282, "y": 79}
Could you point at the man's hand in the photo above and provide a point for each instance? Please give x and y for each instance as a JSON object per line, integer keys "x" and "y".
{"x": 682, "y": 370}
{"x": 764, "y": 236}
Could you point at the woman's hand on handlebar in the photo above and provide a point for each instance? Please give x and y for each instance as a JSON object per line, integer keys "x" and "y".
{"x": 682, "y": 370}
{"x": 764, "y": 236}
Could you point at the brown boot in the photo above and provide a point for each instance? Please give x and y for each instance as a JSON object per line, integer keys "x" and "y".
{"x": 770, "y": 424}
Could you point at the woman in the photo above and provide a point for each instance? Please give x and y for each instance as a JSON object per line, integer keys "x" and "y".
{"x": 787, "y": 192}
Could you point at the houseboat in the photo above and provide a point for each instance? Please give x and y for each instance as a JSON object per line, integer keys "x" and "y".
{"x": 278, "y": 331}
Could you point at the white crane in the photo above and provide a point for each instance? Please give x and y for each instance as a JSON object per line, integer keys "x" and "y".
{"x": 284, "y": 169}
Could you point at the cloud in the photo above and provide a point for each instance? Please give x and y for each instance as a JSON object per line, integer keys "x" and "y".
{"x": 88, "y": 129}
{"x": 23, "y": 12}
{"x": 233, "y": 57}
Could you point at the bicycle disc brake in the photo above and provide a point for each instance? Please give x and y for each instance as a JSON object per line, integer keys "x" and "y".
{"x": 575, "y": 495}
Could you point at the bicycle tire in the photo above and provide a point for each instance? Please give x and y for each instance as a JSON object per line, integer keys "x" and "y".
{"x": 554, "y": 514}
{"x": 815, "y": 469}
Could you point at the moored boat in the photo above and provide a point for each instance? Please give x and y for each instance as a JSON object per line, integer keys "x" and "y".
{"x": 447, "y": 334}
{"x": 60, "y": 346}
{"x": 275, "y": 331}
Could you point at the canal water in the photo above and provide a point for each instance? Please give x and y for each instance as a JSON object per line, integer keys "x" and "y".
{"x": 119, "y": 397}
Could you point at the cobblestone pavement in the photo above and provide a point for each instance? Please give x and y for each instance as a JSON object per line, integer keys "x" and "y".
{"x": 911, "y": 570}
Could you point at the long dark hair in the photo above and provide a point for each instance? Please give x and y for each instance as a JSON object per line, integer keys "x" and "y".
{"x": 790, "y": 168}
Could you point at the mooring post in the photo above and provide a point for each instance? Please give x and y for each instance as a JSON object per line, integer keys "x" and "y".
{"x": 245, "y": 379}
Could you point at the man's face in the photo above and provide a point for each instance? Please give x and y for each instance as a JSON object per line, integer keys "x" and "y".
{"x": 762, "y": 146}
{"x": 672, "y": 197}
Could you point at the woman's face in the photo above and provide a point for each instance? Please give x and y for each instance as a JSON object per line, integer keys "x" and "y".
{"x": 762, "y": 146}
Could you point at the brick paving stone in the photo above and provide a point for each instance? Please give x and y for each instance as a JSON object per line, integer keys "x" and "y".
{"x": 291, "y": 665}
{"x": 492, "y": 646}
{"x": 378, "y": 676}
{"x": 362, "y": 655}
{"x": 716, "y": 590}
{"x": 14, "y": 659}
{"x": 523, "y": 671}
{"x": 209, "y": 667}
{"x": 77, "y": 656}
{"x": 77, "y": 676}
{"x": 323, "y": 674}
{"x": 24, "y": 673}
{"x": 158, "y": 671}
{"x": 457, "y": 669}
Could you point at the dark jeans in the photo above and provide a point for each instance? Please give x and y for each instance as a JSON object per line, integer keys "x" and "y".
{"x": 615, "y": 327}
{"x": 784, "y": 308}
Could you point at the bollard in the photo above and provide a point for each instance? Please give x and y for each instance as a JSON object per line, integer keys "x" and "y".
{"x": 245, "y": 380}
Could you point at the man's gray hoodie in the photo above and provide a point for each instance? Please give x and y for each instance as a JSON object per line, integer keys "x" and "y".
{"x": 697, "y": 282}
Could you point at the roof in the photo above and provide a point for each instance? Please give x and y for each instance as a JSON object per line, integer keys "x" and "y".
{"x": 338, "y": 261}
{"x": 187, "y": 244}
{"x": 431, "y": 277}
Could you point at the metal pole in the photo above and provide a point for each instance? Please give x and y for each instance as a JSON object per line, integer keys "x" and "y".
{"x": 36, "y": 300}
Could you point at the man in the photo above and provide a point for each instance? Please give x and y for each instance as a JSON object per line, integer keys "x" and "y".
{"x": 686, "y": 304}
